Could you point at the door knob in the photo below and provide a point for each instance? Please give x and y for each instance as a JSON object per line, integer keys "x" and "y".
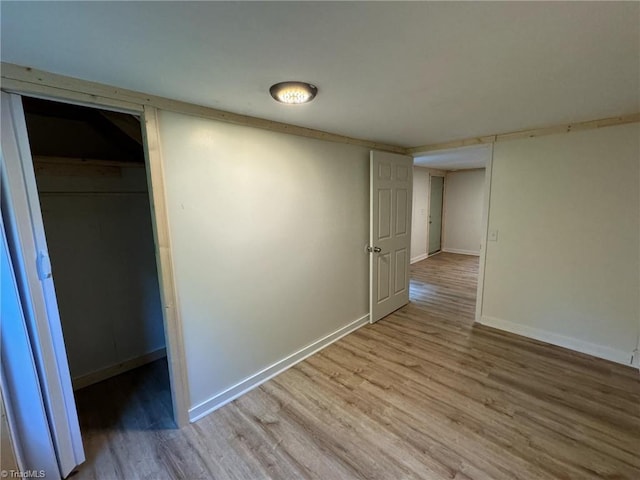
{"x": 374, "y": 249}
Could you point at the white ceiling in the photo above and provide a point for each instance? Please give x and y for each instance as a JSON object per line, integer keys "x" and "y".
{"x": 407, "y": 73}
{"x": 464, "y": 158}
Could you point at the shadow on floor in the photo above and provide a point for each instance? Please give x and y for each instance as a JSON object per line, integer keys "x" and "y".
{"x": 139, "y": 399}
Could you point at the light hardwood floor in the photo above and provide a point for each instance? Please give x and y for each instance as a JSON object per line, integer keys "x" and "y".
{"x": 421, "y": 394}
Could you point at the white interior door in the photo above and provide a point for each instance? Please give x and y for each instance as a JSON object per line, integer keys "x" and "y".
{"x": 28, "y": 248}
{"x": 390, "y": 232}
{"x": 26, "y": 415}
{"x": 435, "y": 214}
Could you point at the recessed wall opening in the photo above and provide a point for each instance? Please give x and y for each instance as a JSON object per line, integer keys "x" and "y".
{"x": 92, "y": 187}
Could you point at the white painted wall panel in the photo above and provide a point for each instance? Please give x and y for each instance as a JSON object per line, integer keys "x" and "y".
{"x": 464, "y": 201}
{"x": 566, "y": 266}
{"x": 268, "y": 234}
{"x": 102, "y": 254}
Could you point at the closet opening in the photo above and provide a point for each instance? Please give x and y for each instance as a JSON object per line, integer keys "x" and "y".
{"x": 93, "y": 191}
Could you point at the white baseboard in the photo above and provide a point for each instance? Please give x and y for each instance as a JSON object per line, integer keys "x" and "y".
{"x": 221, "y": 399}
{"x": 418, "y": 258}
{"x": 461, "y": 252}
{"x": 559, "y": 340}
{"x": 113, "y": 370}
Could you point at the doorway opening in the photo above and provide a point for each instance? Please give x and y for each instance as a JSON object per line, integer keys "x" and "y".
{"x": 92, "y": 187}
{"x": 451, "y": 211}
{"x": 445, "y": 282}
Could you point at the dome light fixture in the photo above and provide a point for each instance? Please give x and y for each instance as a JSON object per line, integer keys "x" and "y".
{"x": 293, "y": 93}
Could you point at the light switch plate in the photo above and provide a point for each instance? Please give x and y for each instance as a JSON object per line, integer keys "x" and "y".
{"x": 493, "y": 235}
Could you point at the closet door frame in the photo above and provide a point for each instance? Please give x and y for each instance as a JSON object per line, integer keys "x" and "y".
{"x": 48, "y": 338}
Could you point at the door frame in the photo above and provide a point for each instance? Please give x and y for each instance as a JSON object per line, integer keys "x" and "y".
{"x": 444, "y": 186}
{"x": 157, "y": 196}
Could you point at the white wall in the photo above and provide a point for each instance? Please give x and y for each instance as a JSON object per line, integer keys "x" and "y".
{"x": 268, "y": 237}
{"x": 463, "y": 204}
{"x": 102, "y": 254}
{"x": 566, "y": 266}
{"x": 420, "y": 214}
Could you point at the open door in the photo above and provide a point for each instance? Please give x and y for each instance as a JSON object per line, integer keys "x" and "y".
{"x": 28, "y": 250}
{"x": 26, "y": 419}
{"x": 435, "y": 214}
{"x": 391, "y": 190}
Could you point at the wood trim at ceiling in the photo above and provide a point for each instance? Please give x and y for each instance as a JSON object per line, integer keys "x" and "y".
{"x": 29, "y": 80}
{"x": 49, "y": 92}
{"x": 530, "y": 133}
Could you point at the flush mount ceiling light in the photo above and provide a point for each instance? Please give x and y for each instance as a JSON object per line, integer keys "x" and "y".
{"x": 293, "y": 92}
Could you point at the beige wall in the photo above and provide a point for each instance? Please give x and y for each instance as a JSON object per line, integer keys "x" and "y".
{"x": 566, "y": 266}
{"x": 268, "y": 239}
{"x": 102, "y": 255}
{"x": 463, "y": 206}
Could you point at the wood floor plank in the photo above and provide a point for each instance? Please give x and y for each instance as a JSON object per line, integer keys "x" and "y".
{"x": 604, "y": 401}
{"x": 479, "y": 411}
{"x": 423, "y": 394}
{"x": 487, "y": 393}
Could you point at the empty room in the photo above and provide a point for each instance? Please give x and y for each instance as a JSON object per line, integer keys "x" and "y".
{"x": 324, "y": 240}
